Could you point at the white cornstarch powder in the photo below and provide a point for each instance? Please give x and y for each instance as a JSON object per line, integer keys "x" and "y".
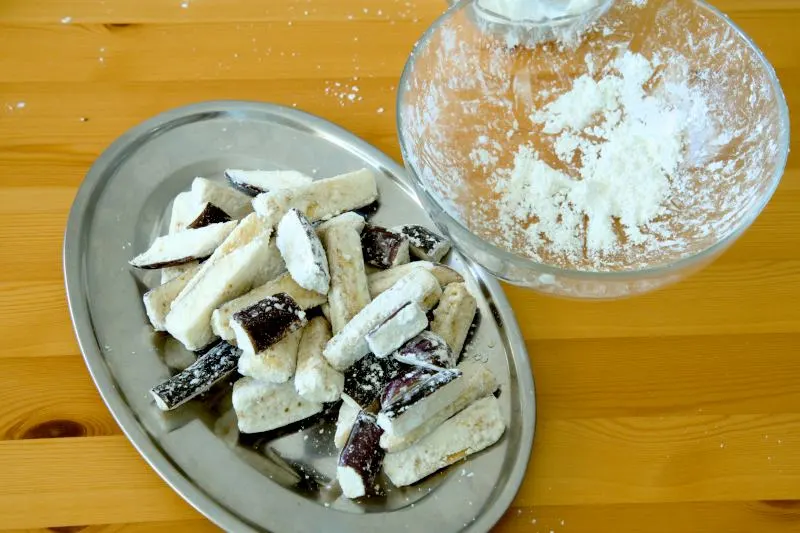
{"x": 628, "y": 146}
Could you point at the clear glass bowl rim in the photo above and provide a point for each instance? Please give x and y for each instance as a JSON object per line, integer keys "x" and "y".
{"x": 524, "y": 263}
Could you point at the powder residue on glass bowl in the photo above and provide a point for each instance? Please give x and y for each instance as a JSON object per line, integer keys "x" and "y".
{"x": 620, "y": 149}
{"x": 613, "y": 153}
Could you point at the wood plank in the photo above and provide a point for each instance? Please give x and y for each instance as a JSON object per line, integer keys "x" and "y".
{"x": 707, "y": 303}
{"x": 208, "y": 51}
{"x": 701, "y": 517}
{"x": 102, "y": 52}
{"x": 669, "y": 459}
{"x": 80, "y": 481}
{"x": 711, "y": 375}
{"x": 83, "y": 11}
{"x": 47, "y": 397}
{"x": 31, "y": 138}
{"x": 34, "y": 320}
{"x": 200, "y": 525}
{"x": 36, "y": 217}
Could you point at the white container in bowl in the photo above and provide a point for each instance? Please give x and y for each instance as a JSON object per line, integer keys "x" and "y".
{"x": 464, "y": 84}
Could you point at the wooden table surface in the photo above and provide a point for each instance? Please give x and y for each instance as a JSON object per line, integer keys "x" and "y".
{"x": 673, "y": 412}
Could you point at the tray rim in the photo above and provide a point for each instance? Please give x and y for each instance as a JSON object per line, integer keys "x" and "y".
{"x": 105, "y": 383}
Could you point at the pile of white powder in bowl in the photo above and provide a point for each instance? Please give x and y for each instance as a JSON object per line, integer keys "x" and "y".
{"x": 620, "y": 151}
{"x": 606, "y": 156}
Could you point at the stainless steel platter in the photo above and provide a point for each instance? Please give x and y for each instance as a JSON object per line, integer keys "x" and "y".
{"x": 284, "y": 481}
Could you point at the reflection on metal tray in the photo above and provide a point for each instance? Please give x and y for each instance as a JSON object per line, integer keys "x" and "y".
{"x": 285, "y": 480}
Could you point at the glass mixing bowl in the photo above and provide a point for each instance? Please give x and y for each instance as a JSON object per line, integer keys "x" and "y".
{"x": 474, "y": 80}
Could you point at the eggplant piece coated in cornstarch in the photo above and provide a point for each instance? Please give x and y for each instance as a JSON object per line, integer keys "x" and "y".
{"x": 361, "y": 458}
{"x": 211, "y": 368}
{"x": 264, "y": 323}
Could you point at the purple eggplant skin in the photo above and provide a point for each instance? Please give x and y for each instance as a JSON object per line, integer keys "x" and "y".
{"x": 269, "y": 320}
{"x": 368, "y": 210}
{"x": 425, "y": 243}
{"x": 363, "y": 454}
{"x": 403, "y": 383}
{"x": 176, "y": 262}
{"x": 364, "y": 381}
{"x": 211, "y": 368}
{"x": 382, "y": 246}
{"x": 246, "y": 188}
{"x": 211, "y": 214}
{"x": 428, "y": 350}
{"x": 426, "y": 384}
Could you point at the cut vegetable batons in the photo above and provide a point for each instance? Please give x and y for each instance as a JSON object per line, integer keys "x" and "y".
{"x": 233, "y": 202}
{"x": 403, "y": 325}
{"x": 474, "y": 429}
{"x": 275, "y": 364}
{"x": 184, "y": 246}
{"x": 303, "y": 253}
{"x": 184, "y": 211}
{"x": 425, "y": 394}
{"x": 412, "y": 398}
{"x": 382, "y": 280}
{"x": 267, "y": 321}
{"x": 273, "y": 265}
{"x": 344, "y": 424}
{"x": 480, "y": 382}
{"x": 350, "y": 345}
{"x": 181, "y": 214}
{"x": 361, "y": 458}
{"x": 315, "y": 380}
{"x": 262, "y": 406}
{"x": 384, "y": 248}
{"x": 255, "y": 182}
{"x": 350, "y": 218}
{"x": 364, "y": 381}
{"x": 170, "y": 273}
{"x": 453, "y": 317}
{"x": 208, "y": 214}
{"x": 209, "y": 369}
{"x": 320, "y": 199}
{"x": 349, "y": 288}
{"x": 221, "y": 317}
{"x": 157, "y": 301}
{"x": 227, "y": 274}
{"x": 427, "y": 350}
{"x": 425, "y": 244}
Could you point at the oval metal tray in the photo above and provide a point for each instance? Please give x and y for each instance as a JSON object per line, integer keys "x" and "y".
{"x": 283, "y": 481}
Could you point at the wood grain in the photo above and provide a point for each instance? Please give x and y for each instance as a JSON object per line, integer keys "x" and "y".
{"x": 187, "y": 526}
{"x": 676, "y": 411}
{"x": 701, "y": 517}
{"x": 47, "y": 397}
{"x": 81, "y": 481}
